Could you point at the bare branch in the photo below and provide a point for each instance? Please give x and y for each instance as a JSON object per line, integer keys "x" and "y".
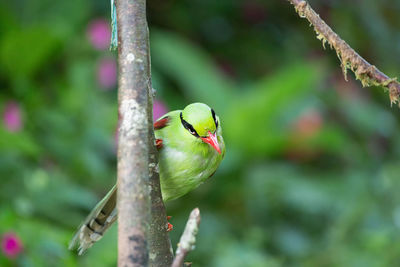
{"x": 188, "y": 238}
{"x": 368, "y": 74}
{"x": 133, "y": 147}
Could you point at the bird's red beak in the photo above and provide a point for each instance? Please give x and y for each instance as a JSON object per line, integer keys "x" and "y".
{"x": 212, "y": 140}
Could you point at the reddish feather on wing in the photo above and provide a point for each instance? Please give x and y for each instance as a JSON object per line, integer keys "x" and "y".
{"x": 161, "y": 123}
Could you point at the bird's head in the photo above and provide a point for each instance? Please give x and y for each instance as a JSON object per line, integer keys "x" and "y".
{"x": 202, "y": 123}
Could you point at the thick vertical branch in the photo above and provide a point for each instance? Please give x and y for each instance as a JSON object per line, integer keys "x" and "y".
{"x": 133, "y": 147}
{"x": 142, "y": 235}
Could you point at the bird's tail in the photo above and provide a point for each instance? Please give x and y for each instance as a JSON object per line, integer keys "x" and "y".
{"x": 96, "y": 223}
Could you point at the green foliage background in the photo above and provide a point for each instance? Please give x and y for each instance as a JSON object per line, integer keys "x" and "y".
{"x": 311, "y": 174}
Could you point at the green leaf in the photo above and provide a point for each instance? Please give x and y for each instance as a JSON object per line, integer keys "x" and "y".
{"x": 259, "y": 121}
{"x": 21, "y": 142}
{"x": 23, "y": 53}
{"x": 192, "y": 68}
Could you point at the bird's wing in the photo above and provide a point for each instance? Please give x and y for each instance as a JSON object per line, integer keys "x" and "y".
{"x": 96, "y": 223}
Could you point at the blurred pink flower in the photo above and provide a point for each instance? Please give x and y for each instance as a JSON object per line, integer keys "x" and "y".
{"x": 305, "y": 128}
{"x": 107, "y": 73}
{"x": 12, "y": 117}
{"x": 99, "y": 34}
{"x": 309, "y": 123}
{"x": 11, "y": 245}
{"x": 159, "y": 109}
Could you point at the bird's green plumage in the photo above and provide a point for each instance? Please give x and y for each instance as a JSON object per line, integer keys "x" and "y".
{"x": 185, "y": 161}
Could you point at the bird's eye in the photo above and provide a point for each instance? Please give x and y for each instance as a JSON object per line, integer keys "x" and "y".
{"x": 191, "y": 130}
{"x": 188, "y": 126}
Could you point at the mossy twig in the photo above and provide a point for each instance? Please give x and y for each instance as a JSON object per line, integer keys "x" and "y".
{"x": 368, "y": 74}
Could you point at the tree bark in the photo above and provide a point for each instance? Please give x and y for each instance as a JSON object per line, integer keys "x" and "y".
{"x": 133, "y": 146}
{"x": 160, "y": 253}
{"x": 142, "y": 235}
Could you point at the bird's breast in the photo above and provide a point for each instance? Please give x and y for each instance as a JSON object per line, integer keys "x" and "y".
{"x": 181, "y": 170}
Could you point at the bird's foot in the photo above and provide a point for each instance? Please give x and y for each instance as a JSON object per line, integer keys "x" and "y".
{"x": 169, "y": 226}
{"x": 159, "y": 143}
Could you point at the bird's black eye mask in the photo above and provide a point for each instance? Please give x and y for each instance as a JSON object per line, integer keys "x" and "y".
{"x": 188, "y": 126}
{"x": 215, "y": 119}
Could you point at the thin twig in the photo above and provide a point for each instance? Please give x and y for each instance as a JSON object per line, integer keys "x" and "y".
{"x": 133, "y": 197}
{"x": 368, "y": 74}
{"x": 188, "y": 238}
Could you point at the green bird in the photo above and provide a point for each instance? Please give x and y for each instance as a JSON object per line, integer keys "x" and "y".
{"x": 190, "y": 147}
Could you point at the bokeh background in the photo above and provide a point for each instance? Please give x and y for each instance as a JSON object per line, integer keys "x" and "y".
{"x": 311, "y": 174}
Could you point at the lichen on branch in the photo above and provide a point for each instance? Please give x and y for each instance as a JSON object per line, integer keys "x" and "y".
{"x": 188, "y": 238}
{"x": 368, "y": 74}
